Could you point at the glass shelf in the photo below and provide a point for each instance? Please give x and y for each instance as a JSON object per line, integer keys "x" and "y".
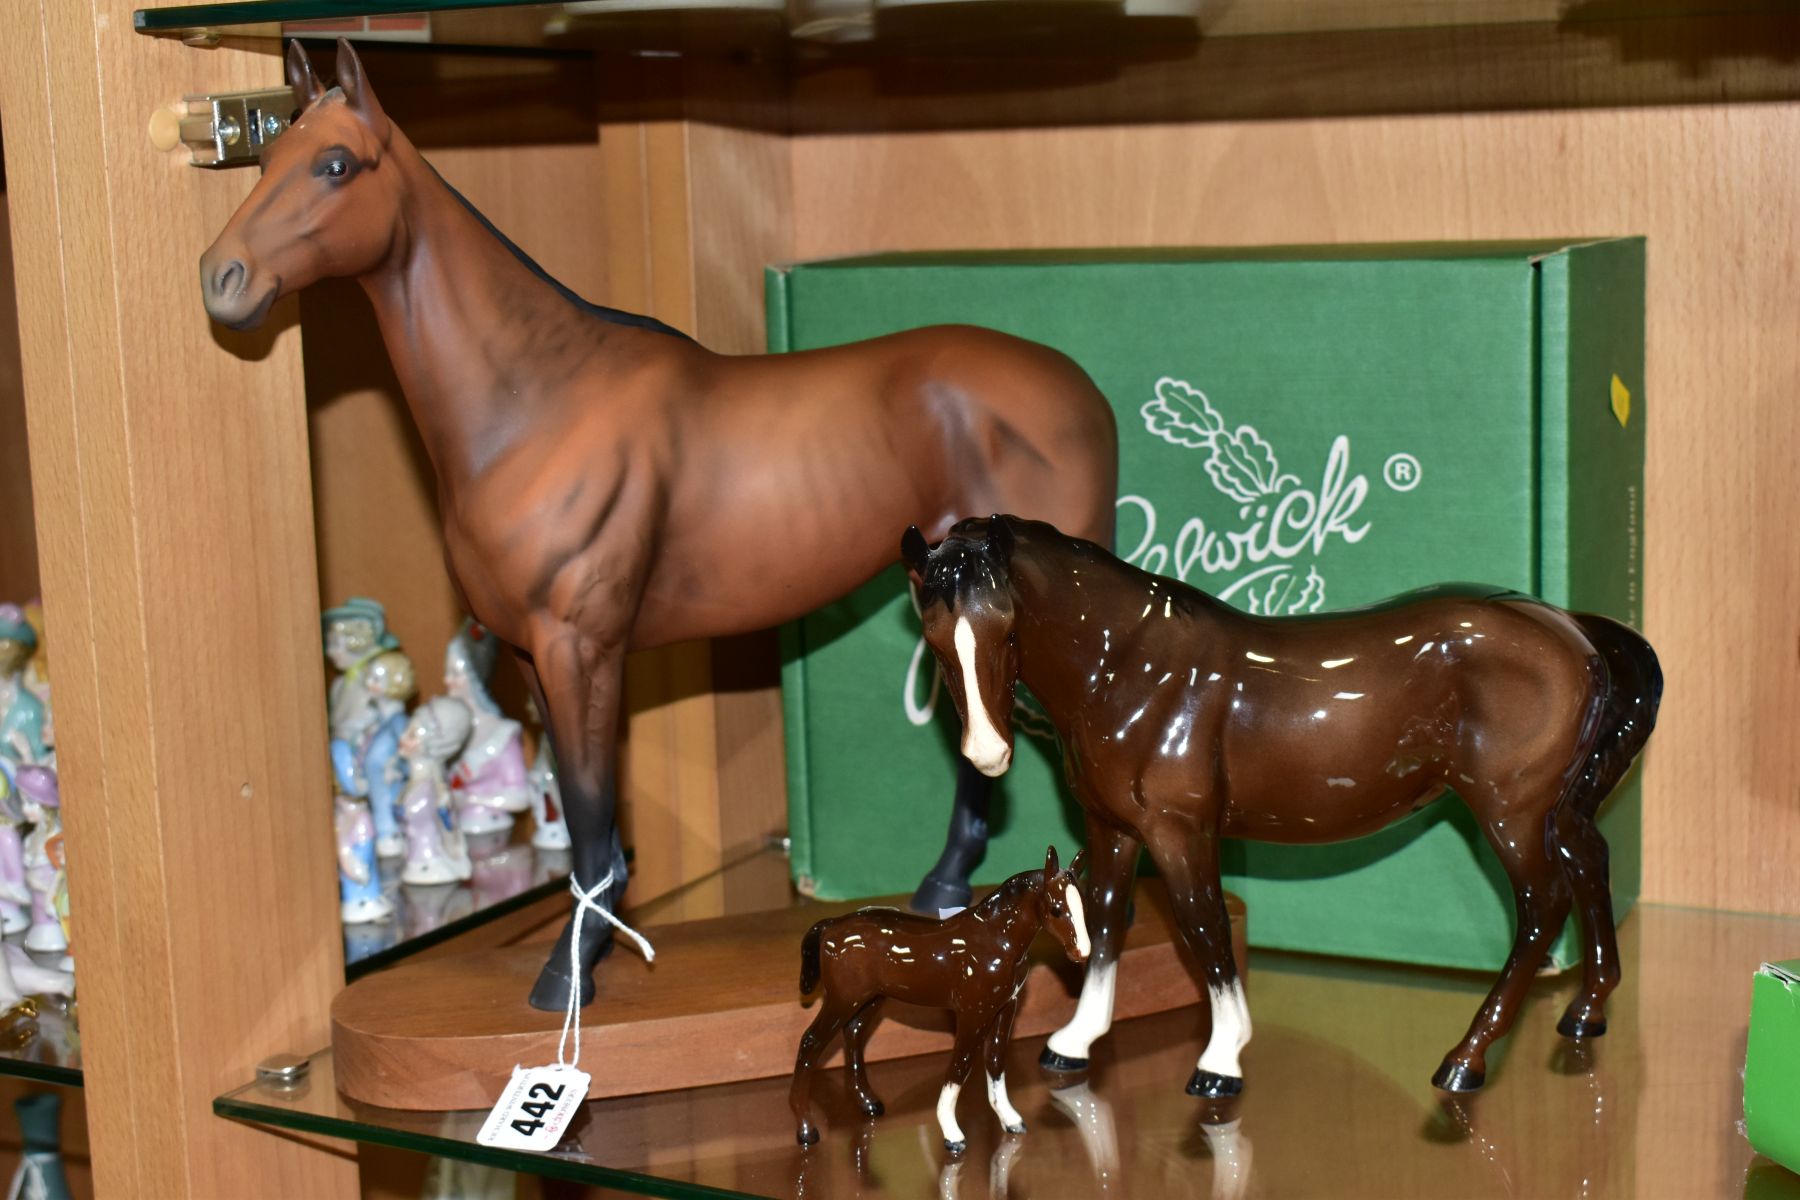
{"x": 801, "y": 66}
{"x": 1338, "y": 1103}
{"x": 508, "y": 877}
{"x": 45, "y": 1047}
{"x": 409, "y": 20}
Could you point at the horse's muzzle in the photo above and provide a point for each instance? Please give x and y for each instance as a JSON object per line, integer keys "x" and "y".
{"x": 227, "y": 288}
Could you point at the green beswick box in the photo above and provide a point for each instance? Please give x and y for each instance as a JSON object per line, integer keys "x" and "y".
{"x": 1772, "y": 1064}
{"x": 1300, "y": 429}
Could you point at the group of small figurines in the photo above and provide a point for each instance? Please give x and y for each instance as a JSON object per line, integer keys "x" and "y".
{"x": 34, "y": 887}
{"x": 420, "y": 784}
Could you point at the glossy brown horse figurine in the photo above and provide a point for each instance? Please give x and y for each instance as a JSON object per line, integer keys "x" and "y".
{"x": 1184, "y": 721}
{"x": 607, "y": 485}
{"x": 972, "y": 963}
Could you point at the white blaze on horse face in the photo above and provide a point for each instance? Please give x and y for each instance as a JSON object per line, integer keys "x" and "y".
{"x": 1093, "y": 1013}
{"x": 982, "y": 743}
{"x": 1230, "y": 1031}
{"x": 946, "y": 1114}
{"x": 1078, "y": 918}
{"x": 1010, "y": 1120}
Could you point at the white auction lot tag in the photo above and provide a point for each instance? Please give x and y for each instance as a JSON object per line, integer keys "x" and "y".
{"x": 534, "y": 1109}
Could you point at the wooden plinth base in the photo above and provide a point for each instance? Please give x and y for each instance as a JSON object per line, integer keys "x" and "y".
{"x": 721, "y": 1003}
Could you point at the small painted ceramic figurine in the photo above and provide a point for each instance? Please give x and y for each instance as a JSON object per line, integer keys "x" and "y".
{"x": 435, "y": 849}
{"x": 355, "y": 633}
{"x": 552, "y": 832}
{"x": 615, "y": 482}
{"x": 21, "y": 710}
{"x": 36, "y": 677}
{"x": 972, "y": 963}
{"x": 368, "y": 766}
{"x": 44, "y": 873}
{"x": 1184, "y": 721}
{"x": 15, "y": 896}
{"x": 490, "y": 778}
{"x": 359, "y": 871}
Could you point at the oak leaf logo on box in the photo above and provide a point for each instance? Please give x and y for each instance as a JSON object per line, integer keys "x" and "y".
{"x": 1264, "y": 562}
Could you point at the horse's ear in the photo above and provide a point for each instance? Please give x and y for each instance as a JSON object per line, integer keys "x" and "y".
{"x": 301, "y": 78}
{"x": 1000, "y": 538}
{"x": 357, "y": 92}
{"x": 915, "y": 553}
{"x": 1050, "y": 863}
{"x": 1077, "y": 863}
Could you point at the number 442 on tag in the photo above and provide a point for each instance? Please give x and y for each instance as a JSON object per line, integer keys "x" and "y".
{"x": 536, "y": 1107}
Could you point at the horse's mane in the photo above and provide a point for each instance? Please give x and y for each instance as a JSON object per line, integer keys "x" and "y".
{"x": 1013, "y": 887}
{"x": 958, "y": 563}
{"x": 614, "y": 315}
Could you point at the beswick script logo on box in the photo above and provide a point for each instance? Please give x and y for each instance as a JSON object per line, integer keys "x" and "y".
{"x": 1264, "y": 561}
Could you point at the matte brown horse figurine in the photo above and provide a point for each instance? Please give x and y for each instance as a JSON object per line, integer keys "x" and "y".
{"x": 972, "y": 963}
{"x": 1184, "y": 721}
{"x": 606, "y": 485}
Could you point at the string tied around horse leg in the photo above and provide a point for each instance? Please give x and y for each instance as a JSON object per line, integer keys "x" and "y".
{"x": 585, "y": 902}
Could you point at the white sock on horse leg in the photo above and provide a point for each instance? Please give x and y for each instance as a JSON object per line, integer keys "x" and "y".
{"x": 1010, "y": 1120}
{"x": 946, "y": 1113}
{"x": 1093, "y": 1013}
{"x": 1230, "y": 1031}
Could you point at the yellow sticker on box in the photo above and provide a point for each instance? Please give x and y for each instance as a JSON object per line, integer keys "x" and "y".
{"x": 1621, "y": 401}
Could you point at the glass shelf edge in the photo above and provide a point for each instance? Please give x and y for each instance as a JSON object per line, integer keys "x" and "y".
{"x": 231, "y": 1108}
{"x": 16, "y": 1068}
{"x": 185, "y": 18}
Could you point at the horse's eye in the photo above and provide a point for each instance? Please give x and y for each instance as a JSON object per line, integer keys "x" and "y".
{"x": 337, "y": 168}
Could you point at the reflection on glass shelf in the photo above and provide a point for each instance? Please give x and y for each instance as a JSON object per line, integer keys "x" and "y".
{"x": 803, "y": 66}
{"x": 532, "y": 22}
{"x": 507, "y": 877}
{"x": 1338, "y": 1100}
{"x": 40, "y": 1038}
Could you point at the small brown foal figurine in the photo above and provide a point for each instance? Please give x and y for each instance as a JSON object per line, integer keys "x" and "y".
{"x": 1184, "y": 721}
{"x": 607, "y": 485}
{"x": 972, "y": 963}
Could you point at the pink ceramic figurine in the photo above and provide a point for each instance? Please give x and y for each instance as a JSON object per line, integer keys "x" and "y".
{"x": 44, "y": 873}
{"x": 15, "y": 897}
{"x": 490, "y": 777}
{"x": 552, "y": 832}
{"x": 435, "y": 849}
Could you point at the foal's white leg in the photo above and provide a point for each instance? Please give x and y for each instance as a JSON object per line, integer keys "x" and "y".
{"x": 946, "y": 1115}
{"x": 1010, "y": 1120}
{"x": 1093, "y": 1013}
{"x": 1230, "y": 1030}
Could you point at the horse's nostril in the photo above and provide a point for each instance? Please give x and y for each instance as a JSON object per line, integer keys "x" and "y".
{"x": 229, "y": 279}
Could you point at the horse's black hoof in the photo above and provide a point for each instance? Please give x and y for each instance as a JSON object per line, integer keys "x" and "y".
{"x": 1572, "y": 1026}
{"x": 872, "y": 1107}
{"x": 1458, "y": 1078}
{"x": 551, "y": 992}
{"x": 807, "y": 1134}
{"x": 1019, "y": 1128}
{"x": 956, "y": 1149}
{"x": 1050, "y": 1060}
{"x": 1214, "y": 1087}
{"x": 935, "y": 895}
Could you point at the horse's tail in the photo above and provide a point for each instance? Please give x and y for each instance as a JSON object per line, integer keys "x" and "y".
{"x": 1626, "y": 710}
{"x": 809, "y": 957}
